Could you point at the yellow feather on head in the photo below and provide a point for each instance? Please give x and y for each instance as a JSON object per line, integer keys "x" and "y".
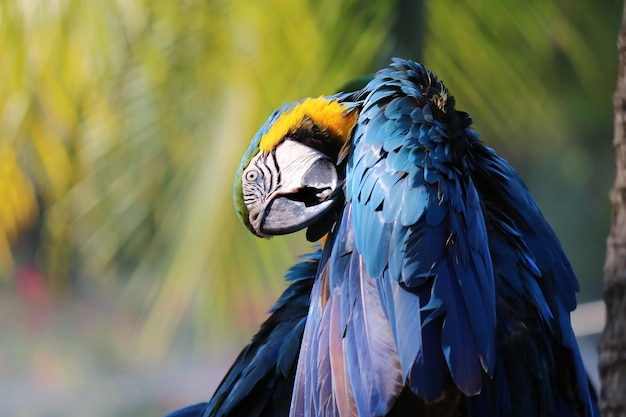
{"x": 325, "y": 113}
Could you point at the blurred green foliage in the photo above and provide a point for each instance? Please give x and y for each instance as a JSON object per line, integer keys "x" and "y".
{"x": 122, "y": 123}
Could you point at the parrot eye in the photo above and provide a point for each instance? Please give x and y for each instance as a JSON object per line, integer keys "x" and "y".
{"x": 252, "y": 175}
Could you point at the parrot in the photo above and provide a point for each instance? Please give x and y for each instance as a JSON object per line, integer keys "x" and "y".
{"x": 439, "y": 289}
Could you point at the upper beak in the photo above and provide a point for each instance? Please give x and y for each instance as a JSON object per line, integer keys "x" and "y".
{"x": 307, "y": 189}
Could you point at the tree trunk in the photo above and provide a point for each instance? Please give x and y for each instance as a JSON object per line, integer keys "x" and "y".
{"x": 612, "y": 346}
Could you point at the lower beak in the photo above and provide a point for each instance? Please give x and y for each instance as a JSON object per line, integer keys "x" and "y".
{"x": 287, "y": 216}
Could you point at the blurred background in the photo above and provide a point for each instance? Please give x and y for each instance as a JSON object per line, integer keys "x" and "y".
{"x": 127, "y": 283}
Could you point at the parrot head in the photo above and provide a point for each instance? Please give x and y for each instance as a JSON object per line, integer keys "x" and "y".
{"x": 288, "y": 178}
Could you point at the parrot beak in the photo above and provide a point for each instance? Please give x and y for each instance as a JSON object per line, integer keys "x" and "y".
{"x": 303, "y": 188}
{"x": 309, "y": 190}
{"x": 287, "y": 213}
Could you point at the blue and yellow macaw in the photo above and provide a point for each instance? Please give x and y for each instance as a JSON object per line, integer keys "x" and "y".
{"x": 440, "y": 289}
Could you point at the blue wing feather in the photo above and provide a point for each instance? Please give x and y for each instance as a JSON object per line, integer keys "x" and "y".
{"x": 428, "y": 210}
{"x": 365, "y": 372}
{"x": 344, "y": 396}
{"x": 374, "y": 369}
{"x": 464, "y": 364}
{"x": 429, "y": 375}
{"x": 322, "y": 371}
